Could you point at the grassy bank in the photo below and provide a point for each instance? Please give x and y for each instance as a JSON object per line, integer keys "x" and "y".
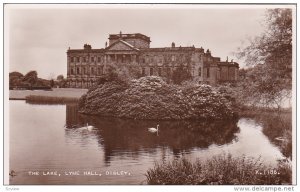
{"x": 250, "y": 111}
{"x": 56, "y": 96}
{"x": 35, "y": 99}
{"x": 219, "y": 170}
{"x": 56, "y": 92}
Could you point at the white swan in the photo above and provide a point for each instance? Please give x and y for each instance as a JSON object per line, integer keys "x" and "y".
{"x": 153, "y": 130}
{"x": 89, "y": 127}
{"x": 280, "y": 139}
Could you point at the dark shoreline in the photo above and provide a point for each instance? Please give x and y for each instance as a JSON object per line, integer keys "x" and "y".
{"x": 17, "y": 99}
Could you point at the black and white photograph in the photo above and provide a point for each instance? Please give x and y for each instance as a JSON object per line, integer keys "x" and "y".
{"x": 150, "y": 94}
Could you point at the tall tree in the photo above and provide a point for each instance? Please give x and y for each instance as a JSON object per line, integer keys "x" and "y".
{"x": 181, "y": 74}
{"x": 31, "y": 77}
{"x": 60, "y": 78}
{"x": 270, "y": 56}
{"x": 124, "y": 73}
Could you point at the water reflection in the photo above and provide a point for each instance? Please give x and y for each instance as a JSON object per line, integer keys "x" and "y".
{"x": 54, "y": 138}
{"x": 117, "y": 136}
{"x": 278, "y": 127}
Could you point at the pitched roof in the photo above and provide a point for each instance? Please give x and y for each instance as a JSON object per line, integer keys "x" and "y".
{"x": 124, "y": 42}
{"x": 129, "y": 45}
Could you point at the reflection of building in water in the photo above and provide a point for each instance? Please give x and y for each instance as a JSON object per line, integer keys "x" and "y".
{"x": 86, "y": 65}
{"x": 119, "y": 137}
{"x": 72, "y": 117}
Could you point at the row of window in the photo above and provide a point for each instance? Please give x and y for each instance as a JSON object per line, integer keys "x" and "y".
{"x": 101, "y": 59}
{"x": 152, "y": 71}
{"x": 86, "y": 59}
{"x": 159, "y": 71}
{"x": 85, "y": 71}
{"x": 149, "y": 59}
{"x": 143, "y": 60}
{"x": 169, "y": 71}
{"x": 121, "y": 59}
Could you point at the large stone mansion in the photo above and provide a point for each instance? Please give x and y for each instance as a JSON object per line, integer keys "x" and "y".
{"x": 86, "y": 65}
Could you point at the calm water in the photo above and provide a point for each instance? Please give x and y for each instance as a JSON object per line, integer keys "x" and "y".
{"x": 50, "y": 138}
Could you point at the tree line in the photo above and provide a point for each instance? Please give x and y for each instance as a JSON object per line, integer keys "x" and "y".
{"x": 31, "y": 81}
{"x": 268, "y": 79}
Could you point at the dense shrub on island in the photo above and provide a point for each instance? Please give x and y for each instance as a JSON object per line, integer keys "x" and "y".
{"x": 152, "y": 98}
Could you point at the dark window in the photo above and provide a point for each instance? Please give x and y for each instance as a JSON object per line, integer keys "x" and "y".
{"x": 78, "y": 59}
{"x": 100, "y": 70}
{"x": 165, "y": 58}
{"x": 143, "y": 71}
{"x": 92, "y": 59}
{"x": 72, "y": 71}
{"x": 136, "y": 58}
{"x": 159, "y": 71}
{"x": 78, "y": 70}
{"x": 99, "y": 59}
{"x": 182, "y": 58}
{"x": 72, "y": 59}
{"x": 199, "y": 72}
{"x": 92, "y": 71}
{"x": 151, "y": 71}
{"x": 207, "y": 72}
{"x": 84, "y": 60}
{"x": 169, "y": 70}
{"x": 84, "y": 70}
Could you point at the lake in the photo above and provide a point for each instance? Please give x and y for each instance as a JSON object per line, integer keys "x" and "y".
{"x": 49, "y": 144}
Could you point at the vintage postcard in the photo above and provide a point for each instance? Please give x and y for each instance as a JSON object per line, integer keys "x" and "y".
{"x": 150, "y": 94}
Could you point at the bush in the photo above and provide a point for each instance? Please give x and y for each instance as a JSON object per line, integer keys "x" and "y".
{"x": 219, "y": 170}
{"x": 152, "y": 98}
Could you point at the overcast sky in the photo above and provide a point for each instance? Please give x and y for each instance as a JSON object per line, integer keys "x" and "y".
{"x": 40, "y": 37}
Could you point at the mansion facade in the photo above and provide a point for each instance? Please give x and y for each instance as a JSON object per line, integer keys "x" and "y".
{"x": 86, "y": 65}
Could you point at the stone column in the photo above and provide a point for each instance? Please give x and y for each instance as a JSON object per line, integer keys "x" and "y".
{"x": 68, "y": 66}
